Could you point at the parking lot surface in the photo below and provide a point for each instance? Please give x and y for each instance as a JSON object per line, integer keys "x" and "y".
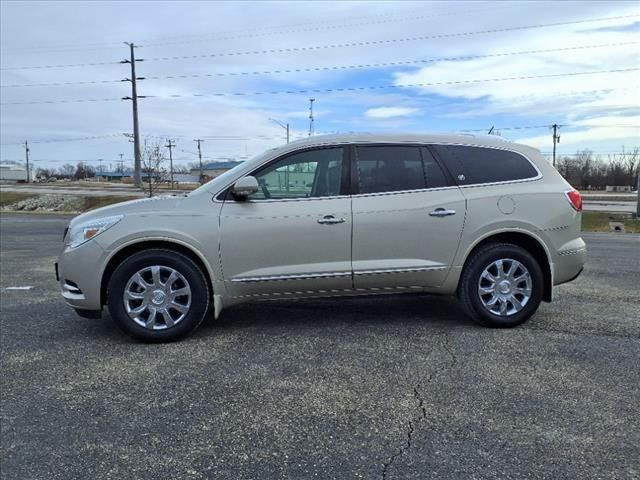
{"x": 399, "y": 387}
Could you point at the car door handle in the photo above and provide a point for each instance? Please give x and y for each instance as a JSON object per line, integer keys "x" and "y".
{"x": 442, "y": 212}
{"x": 330, "y": 220}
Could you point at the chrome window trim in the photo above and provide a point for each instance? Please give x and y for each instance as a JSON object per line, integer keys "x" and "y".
{"x": 270, "y": 200}
{"x": 539, "y": 175}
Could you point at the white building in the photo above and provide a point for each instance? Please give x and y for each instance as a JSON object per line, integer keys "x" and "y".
{"x": 10, "y": 173}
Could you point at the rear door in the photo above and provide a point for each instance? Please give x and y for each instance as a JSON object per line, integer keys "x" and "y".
{"x": 294, "y": 235}
{"x": 407, "y": 218}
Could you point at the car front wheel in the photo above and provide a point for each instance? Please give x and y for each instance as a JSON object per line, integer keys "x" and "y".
{"x": 501, "y": 286}
{"x": 158, "y": 295}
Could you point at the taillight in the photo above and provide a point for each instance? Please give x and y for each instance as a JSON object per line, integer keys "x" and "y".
{"x": 575, "y": 199}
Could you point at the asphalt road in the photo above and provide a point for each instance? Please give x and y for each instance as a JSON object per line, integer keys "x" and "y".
{"x": 401, "y": 387}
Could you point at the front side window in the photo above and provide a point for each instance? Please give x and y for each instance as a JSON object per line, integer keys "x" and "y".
{"x": 396, "y": 168}
{"x": 311, "y": 173}
{"x": 472, "y": 165}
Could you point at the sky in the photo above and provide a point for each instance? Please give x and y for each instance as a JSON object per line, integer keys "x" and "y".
{"x": 220, "y": 71}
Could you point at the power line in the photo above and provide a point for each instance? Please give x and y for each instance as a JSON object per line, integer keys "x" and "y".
{"x": 33, "y": 67}
{"x": 536, "y": 127}
{"x": 353, "y": 89}
{"x": 57, "y": 84}
{"x": 387, "y": 64}
{"x": 409, "y": 85}
{"x": 380, "y": 42}
{"x": 322, "y": 27}
{"x": 56, "y": 140}
{"x": 81, "y": 100}
{"x": 344, "y": 45}
{"x": 334, "y": 67}
{"x": 235, "y": 34}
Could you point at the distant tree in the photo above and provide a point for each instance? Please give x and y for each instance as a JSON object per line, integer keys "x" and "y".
{"x": 84, "y": 171}
{"x": 66, "y": 171}
{"x": 152, "y": 162}
{"x": 45, "y": 172}
{"x": 588, "y": 171}
{"x": 631, "y": 162}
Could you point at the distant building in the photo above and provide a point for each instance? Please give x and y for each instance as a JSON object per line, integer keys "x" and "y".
{"x": 113, "y": 176}
{"x": 213, "y": 169}
{"x": 181, "y": 178}
{"x": 619, "y": 188}
{"x": 11, "y": 173}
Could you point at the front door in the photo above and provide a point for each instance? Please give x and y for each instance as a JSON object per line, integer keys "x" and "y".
{"x": 407, "y": 218}
{"x": 294, "y": 235}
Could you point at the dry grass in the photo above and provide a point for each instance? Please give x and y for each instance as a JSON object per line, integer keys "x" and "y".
{"x": 8, "y": 198}
{"x": 599, "y": 222}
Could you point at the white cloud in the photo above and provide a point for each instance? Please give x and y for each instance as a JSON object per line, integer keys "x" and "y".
{"x": 390, "y": 112}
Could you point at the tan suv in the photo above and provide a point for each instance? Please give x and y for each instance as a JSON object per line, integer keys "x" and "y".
{"x": 487, "y": 220}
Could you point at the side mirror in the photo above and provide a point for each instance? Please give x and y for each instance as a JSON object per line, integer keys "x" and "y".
{"x": 245, "y": 187}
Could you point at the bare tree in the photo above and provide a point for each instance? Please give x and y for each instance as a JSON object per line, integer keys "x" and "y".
{"x": 152, "y": 161}
{"x": 84, "y": 171}
{"x": 45, "y": 172}
{"x": 66, "y": 170}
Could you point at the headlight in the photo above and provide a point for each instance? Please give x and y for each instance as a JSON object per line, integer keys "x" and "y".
{"x": 84, "y": 232}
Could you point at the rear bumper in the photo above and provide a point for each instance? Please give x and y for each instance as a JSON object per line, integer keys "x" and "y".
{"x": 572, "y": 278}
{"x": 569, "y": 261}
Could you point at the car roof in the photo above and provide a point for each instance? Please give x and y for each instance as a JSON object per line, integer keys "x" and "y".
{"x": 465, "y": 139}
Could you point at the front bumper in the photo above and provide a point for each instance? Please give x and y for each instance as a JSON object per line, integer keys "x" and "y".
{"x": 79, "y": 272}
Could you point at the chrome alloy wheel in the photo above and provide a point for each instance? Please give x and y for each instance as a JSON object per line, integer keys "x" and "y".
{"x": 157, "y": 297}
{"x": 505, "y": 287}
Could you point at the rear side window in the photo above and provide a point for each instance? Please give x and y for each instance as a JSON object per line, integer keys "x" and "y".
{"x": 471, "y": 165}
{"x": 395, "y": 168}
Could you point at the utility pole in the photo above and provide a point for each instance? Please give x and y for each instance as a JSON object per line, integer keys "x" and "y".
{"x": 283, "y": 125}
{"x": 170, "y": 146}
{"x": 311, "y": 100}
{"x": 26, "y": 154}
{"x": 100, "y": 160}
{"x": 137, "y": 163}
{"x": 638, "y": 192}
{"x": 556, "y": 140}
{"x": 121, "y": 163}
{"x": 198, "y": 141}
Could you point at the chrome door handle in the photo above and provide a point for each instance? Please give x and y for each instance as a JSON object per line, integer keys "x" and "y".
{"x": 441, "y": 212}
{"x": 330, "y": 220}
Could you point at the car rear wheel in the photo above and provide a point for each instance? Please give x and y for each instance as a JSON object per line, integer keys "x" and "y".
{"x": 501, "y": 285}
{"x": 158, "y": 295}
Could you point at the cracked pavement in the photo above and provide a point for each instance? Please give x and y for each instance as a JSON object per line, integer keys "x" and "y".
{"x": 396, "y": 387}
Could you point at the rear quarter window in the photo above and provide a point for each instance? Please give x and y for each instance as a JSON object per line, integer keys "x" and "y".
{"x": 472, "y": 165}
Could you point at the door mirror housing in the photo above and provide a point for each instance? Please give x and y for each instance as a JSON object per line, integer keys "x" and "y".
{"x": 245, "y": 187}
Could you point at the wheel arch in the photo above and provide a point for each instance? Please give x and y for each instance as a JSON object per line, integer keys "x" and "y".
{"x": 531, "y": 243}
{"x": 132, "y": 248}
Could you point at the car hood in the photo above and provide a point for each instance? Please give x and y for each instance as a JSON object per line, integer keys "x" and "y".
{"x": 155, "y": 205}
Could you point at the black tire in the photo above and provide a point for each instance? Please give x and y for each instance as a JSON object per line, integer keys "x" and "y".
{"x": 168, "y": 258}
{"x": 469, "y": 281}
